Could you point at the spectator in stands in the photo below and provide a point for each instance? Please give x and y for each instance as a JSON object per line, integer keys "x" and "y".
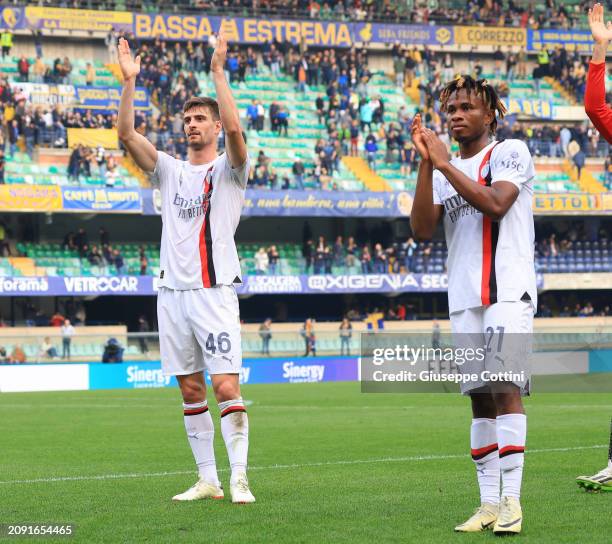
{"x": 351, "y": 252}
{"x": 90, "y": 75}
{"x": 371, "y": 147}
{"x": 252, "y": 115}
{"x": 74, "y": 162}
{"x": 2, "y": 161}
{"x": 309, "y": 336}
{"x": 273, "y": 260}
{"x": 81, "y": 239}
{"x": 113, "y": 351}
{"x": 320, "y": 107}
{"x": 366, "y": 260}
{"x": 283, "y": 121}
{"x": 112, "y": 171}
{"x": 119, "y": 263}
{"x": 95, "y": 257}
{"x": 298, "y": 170}
{"x": 47, "y": 349}
{"x": 4, "y": 358}
{"x": 498, "y": 58}
{"x": 261, "y": 261}
{"x": 265, "y": 333}
{"x": 143, "y": 328}
{"x": 6, "y": 42}
{"x": 409, "y": 247}
{"x": 29, "y": 135}
{"x": 17, "y": 356}
{"x": 67, "y": 334}
{"x": 13, "y": 136}
{"x": 144, "y": 264}
{"x": 319, "y": 256}
{"x": 57, "y": 320}
{"x": 338, "y": 252}
{"x": 380, "y": 259}
{"x": 308, "y": 252}
{"x": 23, "y": 67}
{"x": 426, "y": 258}
{"x": 101, "y": 161}
{"x": 346, "y": 331}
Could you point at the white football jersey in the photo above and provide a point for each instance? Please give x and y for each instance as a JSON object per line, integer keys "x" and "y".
{"x": 201, "y": 206}
{"x": 490, "y": 261}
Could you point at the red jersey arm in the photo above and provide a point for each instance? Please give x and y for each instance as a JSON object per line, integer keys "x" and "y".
{"x": 595, "y": 100}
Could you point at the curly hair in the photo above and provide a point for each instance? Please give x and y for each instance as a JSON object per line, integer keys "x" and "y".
{"x": 481, "y": 88}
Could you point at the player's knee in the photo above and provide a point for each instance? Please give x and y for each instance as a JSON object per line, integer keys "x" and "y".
{"x": 227, "y": 390}
{"x": 193, "y": 391}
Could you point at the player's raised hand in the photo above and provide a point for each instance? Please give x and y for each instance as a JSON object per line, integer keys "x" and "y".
{"x": 218, "y": 59}
{"x": 602, "y": 32}
{"x": 417, "y": 138}
{"x": 130, "y": 67}
{"x": 438, "y": 153}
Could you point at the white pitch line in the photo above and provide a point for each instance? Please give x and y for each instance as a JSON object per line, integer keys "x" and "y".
{"x": 280, "y": 467}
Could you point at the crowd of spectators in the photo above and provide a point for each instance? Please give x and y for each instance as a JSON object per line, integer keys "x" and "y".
{"x": 349, "y": 107}
{"x": 85, "y": 161}
{"x": 102, "y": 254}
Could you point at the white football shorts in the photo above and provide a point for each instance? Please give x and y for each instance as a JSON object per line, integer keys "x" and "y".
{"x": 504, "y": 331}
{"x": 199, "y": 329}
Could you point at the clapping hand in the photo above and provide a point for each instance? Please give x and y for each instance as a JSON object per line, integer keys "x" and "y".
{"x": 602, "y": 32}
{"x": 130, "y": 67}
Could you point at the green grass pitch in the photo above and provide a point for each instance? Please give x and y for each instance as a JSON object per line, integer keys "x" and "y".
{"x": 328, "y": 464}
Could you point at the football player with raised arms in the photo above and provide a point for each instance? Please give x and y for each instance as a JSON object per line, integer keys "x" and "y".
{"x": 197, "y": 305}
{"x": 484, "y": 198}
{"x": 600, "y": 114}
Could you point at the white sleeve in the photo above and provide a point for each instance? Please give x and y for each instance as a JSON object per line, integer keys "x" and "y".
{"x": 163, "y": 166}
{"x": 239, "y": 175}
{"x": 511, "y": 161}
{"x": 437, "y": 181}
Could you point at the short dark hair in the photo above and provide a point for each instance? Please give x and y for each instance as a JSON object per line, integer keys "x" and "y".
{"x": 481, "y": 88}
{"x": 203, "y": 102}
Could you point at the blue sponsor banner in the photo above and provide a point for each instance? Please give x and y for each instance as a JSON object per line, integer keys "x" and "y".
{"x": 600, "y": 360}
{"x": 548, "y": 38}
{"x": 12, "y": 17}
{"x": 148, "y": 374}
{"x": 404, "y": 34}
{"x": 343, "y": 283}
{"x": 261, "y": 203}
{"x": 172, "y": 26}
{"x": 252, "y": 285}
{"x": 107, "y": 98}
{"x": 101, "y": 199}
{"x": 88, "y": 285}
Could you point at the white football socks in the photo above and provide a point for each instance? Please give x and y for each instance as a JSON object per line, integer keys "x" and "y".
{"x": 483, "y": 441}
{"x": 200, "y": 433}
{"x": 235, "y": 431}
{"x": 511, "y": 437}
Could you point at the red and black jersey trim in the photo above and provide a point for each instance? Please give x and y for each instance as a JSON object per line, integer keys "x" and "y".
{"x": 483, "y": 452}
{"x": 195, "y": 411}
{"x": 232, "y": 409}
{"x": 510, "y": 450}
{"x": 490, "y": 236}
{"x": 209, "y": 277}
